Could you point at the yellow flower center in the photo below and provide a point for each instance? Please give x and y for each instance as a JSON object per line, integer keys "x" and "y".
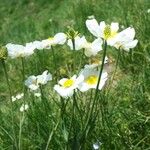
{"x": 50, "y": 38}
{"x": 91, "y": 80}
{"x": 68, "y": 83}
{"x": 34, "y": 82}
{"x": 95, "y": 61}
{"x": 108, "y": 33}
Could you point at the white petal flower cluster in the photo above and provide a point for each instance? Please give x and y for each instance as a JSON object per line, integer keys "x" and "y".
{"x": 87, "y": 79}
{"x": 91, "y": 79}
{"x": 78, "y": 41}
{"x": 89, "y": 75}
{"x": 24, "y": 107}
{"x": 15, "y": 50}
{"x": 91, "y": 49}
{"x": 59, "y": 38}
{"x": 124, "y": 39}
{"x": 33, "y": 82}
{"x": 17, "y": 97}
{"x": 66, "y": 87}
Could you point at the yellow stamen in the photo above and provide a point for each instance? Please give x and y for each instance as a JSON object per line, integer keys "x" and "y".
{"x": 50, "y": 38}
{"x": 108, "y": 33}
{"x": 68, "y": 83}
{"x": 91, "y": 80}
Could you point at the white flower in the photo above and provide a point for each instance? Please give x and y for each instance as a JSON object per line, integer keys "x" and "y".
{"x": 44, "y": 78}
{"x": 66, "y": 87}
{"x": 125, "y": 39}
{"x": 96, "y": 146}
{"x": 79, "y": 43}
{"x": 148, "y": 11}
{"x": 102, "y": 30}
{"x": 59, "y": 38}
{"x": 31, "y": 83}
{"x": 91, "y": 78}
{"x": 13, "y": 98}
{"x": 29, "y": 49}
{"x": 91, "y": 49}
{"x": 15, "y": 50}
{"x": 39, "y": 45}
{"x": 37, "y": 94}
{"x": 24, "y": 107}
{"x": 94, "y": 27}
{"x": 17, "y": 97}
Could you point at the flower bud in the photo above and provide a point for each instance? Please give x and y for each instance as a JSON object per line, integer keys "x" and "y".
{"x": 72, "y": 33}
{"x": 3, "y": 53}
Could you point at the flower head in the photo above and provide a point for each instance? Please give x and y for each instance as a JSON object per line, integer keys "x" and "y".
{"x": 79, "y": 43}
{"x": 17, "y": 97}
{"x": 71, "y": 34}
{"x": 66, "y": 86}
{"x": 102, "y": 30}
{"x": 59, "y": 38}
{"x": 44, "y": 78}
{"x": 91, "y": 49}
{"x": 37, "y": 94}
{"x": 24, "y": 107}
{"x": 33, "y": 82}
{"x": 3, "y": 53}
{"x": 91, "y": 79}
{"x": 15, "y": 50}
{"x": 125, "y": 39}
{"x": 148, "y": 11}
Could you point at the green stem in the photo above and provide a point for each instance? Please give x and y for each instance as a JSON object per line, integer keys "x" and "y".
{"x": 10, "y": 97}
{"x": 20, "y": 130}
{"x": 74, "y": 53}
{"x": 73, "y": 43}
{"x": 54, "y": 60}
{"x": 97, "y": 87}
{"x": 7, "y": 80}
{"x": 23, "y": 78}
{"x": 72, "y": 118}
{"x": 101, "y": 71}
{"x": 50, "y": 136}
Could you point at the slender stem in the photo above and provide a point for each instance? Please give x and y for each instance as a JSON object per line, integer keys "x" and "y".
{"x": 97, "y": 87}
{"x": 100, "y": 73}
{"x": 50, "y": 136}
{"x": 11, "y": 103}
{"x": 73, "y": 43}
{"x": 24, "y": 91}
{"x": 54, "y": 60}
{"x": 20, "y": 130}
{"x": 76, "y": 104}
{"x": 7, "y": 80}
{"x": 72, "y": 119}
{"x": 74, "y": 53}
{"x": 23, "y": 78}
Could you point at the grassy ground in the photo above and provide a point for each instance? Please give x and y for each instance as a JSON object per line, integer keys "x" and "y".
{"x": 124, "y": 119}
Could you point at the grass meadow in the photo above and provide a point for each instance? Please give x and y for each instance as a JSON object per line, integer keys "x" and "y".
{"x": 117, "y": 118}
